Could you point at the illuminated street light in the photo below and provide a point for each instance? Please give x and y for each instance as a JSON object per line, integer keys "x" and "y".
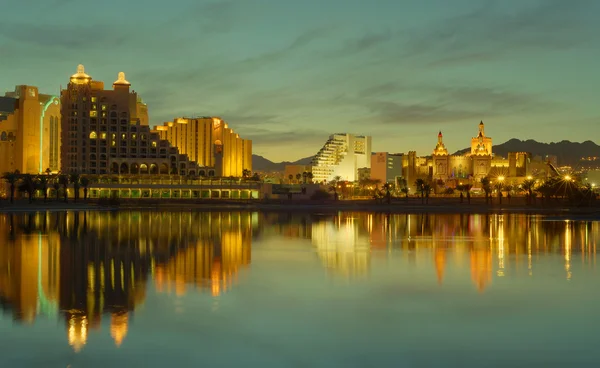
{"x": 501, "y": 178}
{"x": 567, "y": 178}
{"x": 529, "y": 177}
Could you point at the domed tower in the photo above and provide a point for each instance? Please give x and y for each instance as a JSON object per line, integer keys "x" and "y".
{"x": 481, "y": 145}
{"x": 80, "y": 77}
{"x": 440, "y": 148}
{"x": 441, "y": 160}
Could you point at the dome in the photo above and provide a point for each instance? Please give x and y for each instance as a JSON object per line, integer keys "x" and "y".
{"x": 121, "y": 80}
{"x": 80, "y": 77}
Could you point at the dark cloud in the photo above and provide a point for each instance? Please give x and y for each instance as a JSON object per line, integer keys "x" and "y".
{"x": 69, "y": 37}
{"x": 386, "y": 112}
{"x": 448, "y": 103}
{"x": 366, "y": 42}
{"x": 286, "y": 138}
{"x": 488, "y": 33}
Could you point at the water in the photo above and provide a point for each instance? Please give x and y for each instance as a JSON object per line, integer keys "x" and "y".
{"x": 190, "y": 289}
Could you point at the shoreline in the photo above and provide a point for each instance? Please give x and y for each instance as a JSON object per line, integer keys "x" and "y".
{"x": 397, "y": 207}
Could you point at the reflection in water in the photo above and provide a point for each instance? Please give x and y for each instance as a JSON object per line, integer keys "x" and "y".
{"x": 82, "y": 266}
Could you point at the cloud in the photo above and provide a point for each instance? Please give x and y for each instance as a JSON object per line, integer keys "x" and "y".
{"x": 80, "y": 37}
{"x": 285, "y": 138}
{"x": 447, "y": 103}
{"x": 488, "y": 33}
{"x": 366, "y": 41}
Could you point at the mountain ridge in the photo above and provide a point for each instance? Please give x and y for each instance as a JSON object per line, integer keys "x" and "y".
{"x": 567, "y": 152}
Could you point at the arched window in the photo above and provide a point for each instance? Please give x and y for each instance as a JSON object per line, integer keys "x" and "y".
{"x": 3, "y": 136}
{"x": 93, "y": 135}
{"x": 11, "y": 137}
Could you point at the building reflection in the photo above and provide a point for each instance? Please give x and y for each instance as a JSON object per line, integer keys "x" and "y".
{"x": 87, "y": 268}
{"x": 94, "y": 264}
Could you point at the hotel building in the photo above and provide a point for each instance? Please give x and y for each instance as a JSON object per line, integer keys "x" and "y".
{"x": 29, "y": 131}
{"x": 106, "y": 132}
{"x": 342, "y": 155}
{"x": 210, "y": 143}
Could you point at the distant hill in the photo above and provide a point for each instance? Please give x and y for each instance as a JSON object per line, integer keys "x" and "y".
{"x": 567, "y": 152}
{"x": 260, "y": 163}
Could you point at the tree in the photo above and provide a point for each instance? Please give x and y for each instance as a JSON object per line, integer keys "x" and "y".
{"x": 42, "y": 183}
{"x": 11, "y": 178}
{"x": 85, "y": 183}
{"x": 388, "y": 195}
{"x": 28, "y": 186}
{"x": 487, "y": 188}
{"x": 309, "y": 176}
{"x": 291, "y": 177}
{"x": 298, "y": 176}
{"x": 246, "y": 173}
{"x": 74, "y": 179}
{"x": 48, "y": 171}
{"x": 528, "y": 186}
{"x": 420, "y": 185}
{"x": 333, "y": 187}
{"x": 56, "y": 187}
{"x": 256, "y": 177}
{"x": 427, "y": 189}
{"x": 405, "y": 191}
{"x": 63, "y": 180}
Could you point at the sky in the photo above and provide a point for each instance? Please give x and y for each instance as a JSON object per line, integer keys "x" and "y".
{"x": 288, "y": 73}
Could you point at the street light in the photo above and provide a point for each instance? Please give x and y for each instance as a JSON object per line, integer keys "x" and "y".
{"x": 501, "y": 178}
{"x": 567, "y": 178}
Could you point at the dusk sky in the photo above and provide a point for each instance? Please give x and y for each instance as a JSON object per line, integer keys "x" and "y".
{"x": 288, "y": 73}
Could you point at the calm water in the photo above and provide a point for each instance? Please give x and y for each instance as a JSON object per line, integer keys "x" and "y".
{"x": 189, "y": 289}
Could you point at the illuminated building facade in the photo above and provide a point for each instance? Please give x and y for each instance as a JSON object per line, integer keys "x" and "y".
{"x": 107, "y": 132}
{"x": 386, "y": 167}
{"x": 342, "y": 155}
{"x": 211, "y": 143}
{"x": 29, "y": 131}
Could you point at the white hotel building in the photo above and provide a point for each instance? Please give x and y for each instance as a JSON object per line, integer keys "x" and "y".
{"x": 342, "y": 155}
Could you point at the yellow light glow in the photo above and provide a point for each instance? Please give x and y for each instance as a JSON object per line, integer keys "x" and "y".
{"x": 567, "y": 177}
{"x": 529, "y": 177}
{"x": 501, "y": 178}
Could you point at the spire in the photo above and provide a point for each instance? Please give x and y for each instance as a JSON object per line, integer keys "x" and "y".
{"x": 440, "y": 137}
{"x": 481, "y": 131}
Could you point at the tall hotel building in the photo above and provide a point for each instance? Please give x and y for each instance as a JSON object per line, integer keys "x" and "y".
{"x": 107, "y": 132}
{"x": 29, "y": 131}
{"x": 342, "y": 155}
{"x": 211, "y": 143}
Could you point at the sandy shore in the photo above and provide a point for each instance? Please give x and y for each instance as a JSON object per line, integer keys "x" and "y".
{"x": 414, "y": 205}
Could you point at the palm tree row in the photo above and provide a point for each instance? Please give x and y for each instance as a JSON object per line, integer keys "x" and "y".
{"x": 30, "y": 184}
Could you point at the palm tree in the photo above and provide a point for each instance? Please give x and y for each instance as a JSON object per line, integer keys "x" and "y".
{"x": 291, "y": 177}
{"x": 304, "y": 176}
{"x": 528, "y": 186}
{"x": 63, "y": 180}
{"x": 246, "y": 173}
{"x": 11, "y": 178}
{"x": 405, "y": 191}
{"x": 388, "y": 194}
{"x": 56, "y": 187}
{"x": 42, "y": 182}
{"x": 48, "y": 171}
{"x": 298, "y": 176}
{"x": 27, "y": 185}
{"x": 427, "y": 189}
{"x": 74, "y": 179}
{"x": 487, "y": 188}
{"x": 85, "y": 183}
{"x": 310, "y": 176}
{"x": 420, "y": 185}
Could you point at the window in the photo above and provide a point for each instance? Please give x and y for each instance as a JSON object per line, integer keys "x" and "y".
{"x": 103, "y": 135}
{"x": 94, "y": 99}
{"x": 123, "y": 136}
{"x": 93, "y": 114}
{"x": 153, "y": 144}
{"x": 93, "y": 135}
{"x": 104, "y": 107}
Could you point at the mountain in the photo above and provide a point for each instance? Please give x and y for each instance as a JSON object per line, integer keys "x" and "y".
{"x": 567, "y": 152}
{"x": 260, "y": 163}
